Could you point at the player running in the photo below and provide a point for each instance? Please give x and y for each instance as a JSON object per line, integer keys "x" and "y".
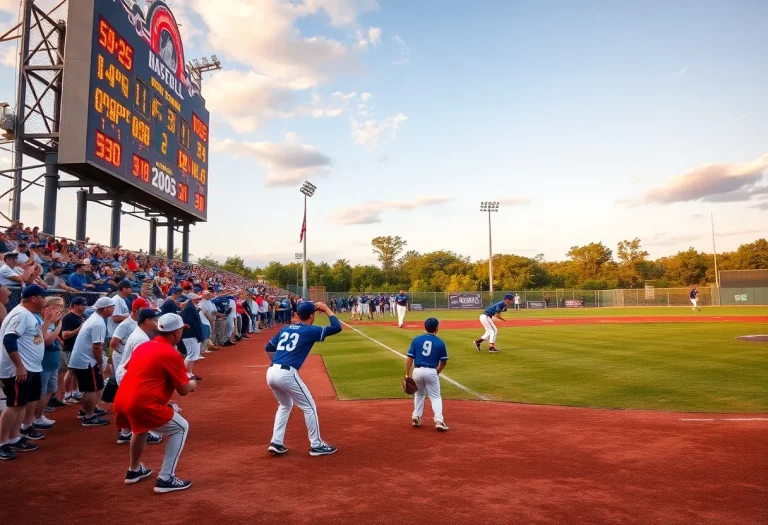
{"x": 291, "y": 346}
{"x": 486, "y": 319}
{"x": 429, "y": 355}
{"x": 694, "y": 299}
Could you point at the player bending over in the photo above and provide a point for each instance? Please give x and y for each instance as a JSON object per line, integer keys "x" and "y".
{"x": 288, "y": 350}
{"x": 429, "y": 356}
{"x": 486, "y": 319}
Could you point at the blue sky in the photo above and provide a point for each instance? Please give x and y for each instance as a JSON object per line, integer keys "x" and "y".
{"x": 590, "y": 121}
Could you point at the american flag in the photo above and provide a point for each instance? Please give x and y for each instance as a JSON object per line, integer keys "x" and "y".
{"x": 303, "y": 227}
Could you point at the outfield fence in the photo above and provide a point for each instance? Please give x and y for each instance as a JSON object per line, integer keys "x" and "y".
{"x": 539, "y": 299}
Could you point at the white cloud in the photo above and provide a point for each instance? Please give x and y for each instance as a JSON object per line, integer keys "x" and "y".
{"x": 365, "y": 97}
{"x": 405, "y": 53}
{"x": 747, "y": 115}
{"x": 342, "y": 12}
{"x": 761, "y": 206}
{"x": 370, "y": 212}
{"x": 682, "y": 71}
{"x": 516, "y": 201}
{"x": 370, "y": 132}
{"x": 290, "y": 136}
{"x": 286, "y": 164}
{"x": 373, "y": 38}
{"x": 712, "y": 182}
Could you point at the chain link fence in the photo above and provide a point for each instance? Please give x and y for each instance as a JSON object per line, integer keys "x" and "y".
{"x": 90, "y": 297}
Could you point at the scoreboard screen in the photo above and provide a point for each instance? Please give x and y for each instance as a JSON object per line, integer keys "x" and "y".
{"x": 141, "y": 118}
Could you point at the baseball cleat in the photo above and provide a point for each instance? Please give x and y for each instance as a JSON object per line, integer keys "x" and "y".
{"x": 154, "y": 439}
{"x": 416, "y": 421}
{"x": 123, "y": 439}
{"x": 172, "y": 485}
{"x": 493, "y": 350}
{"x": 477, "y": 345}
{"x": 323, "y": 450}
{"x": 441, "y": 426}
{"x": 132, "y": 477}
{"x": 276, "y": 449}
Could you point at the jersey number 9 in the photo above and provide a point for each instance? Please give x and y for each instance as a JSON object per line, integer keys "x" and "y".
{"x": 427, "y": 348}
{"x": 291, "y": 346}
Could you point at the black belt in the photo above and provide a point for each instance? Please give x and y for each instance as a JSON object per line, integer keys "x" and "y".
{"x": 423, "y": 366}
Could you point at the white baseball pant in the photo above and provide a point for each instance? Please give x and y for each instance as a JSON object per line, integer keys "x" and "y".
{"x": 428, "y": 382}
{"x": 176, "y": 431}
{"x": 695, "y": 303}
{"x": 490, "y": 328}
{"x": 193, "y": 349}
{"x": 289, "y": 389}
{"x": 401, "y": 314}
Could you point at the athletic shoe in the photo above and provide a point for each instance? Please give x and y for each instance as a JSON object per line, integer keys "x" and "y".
{"x": 55, "y": 402}
{"x": 70, "y": 399}
{"x": 23, "y": 445}
{"x": 276, "y": 449}
{"x": 154, "y": 439}
{"x": 123, "y": 439}
{"x": 323, "y": 450}
{"x": 94, "y": 421}
{"x": 31, "y": 433}
{"x": 493, "y": 350}
{"x": 416, "y": 421}
{"x": 43, "y": 423}
{"x": 6, "y": 454}
{"x": 49, "y": 409}
{"x": 132, "y": 477}
{"x": 172, "y": 485}
{"x": 196, "y": 378}
{"x": 96, "y": 412}
{"x": 477, "y": 345}
{"x": 78, "y": 396}
{"x": 441, "y": 426}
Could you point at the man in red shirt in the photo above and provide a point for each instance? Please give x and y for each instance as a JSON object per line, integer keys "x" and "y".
{"x": 155, "y": 371}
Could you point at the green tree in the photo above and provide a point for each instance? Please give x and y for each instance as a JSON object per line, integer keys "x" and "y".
{"x": 752, "y": 256}
{"x": 631, "y": 256}
{"x": 685, "y": 268}
{"x": 176, "y": 254}
{"x": 208, "y": 260}
{"x": 387, "y": 250}
{"x": 590, "y": 259}
{"x": 235, "y": 264}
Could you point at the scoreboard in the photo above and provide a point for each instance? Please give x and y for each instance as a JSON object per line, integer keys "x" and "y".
{"x": 132, "y": 115}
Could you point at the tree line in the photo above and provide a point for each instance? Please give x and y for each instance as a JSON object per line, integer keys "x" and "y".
{"x": 590, "y": 267}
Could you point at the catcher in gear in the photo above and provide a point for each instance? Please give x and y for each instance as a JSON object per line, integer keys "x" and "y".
{"x": 428, "y": 357}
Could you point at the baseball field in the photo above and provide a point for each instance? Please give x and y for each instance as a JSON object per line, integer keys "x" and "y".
{"x": 585, "y": 416}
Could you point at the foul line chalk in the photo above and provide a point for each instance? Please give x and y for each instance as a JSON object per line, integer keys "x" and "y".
{"x": 724, "y": 419}
{"x": 443, "y": 376}
{"x": 257, "y": 366}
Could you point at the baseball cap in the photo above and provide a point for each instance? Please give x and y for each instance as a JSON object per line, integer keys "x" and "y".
{"x": 174, "y": 290}
{"x": 169, "y": 323}
{"x": 79, "y": 300}
{"x": 138, "y": 304}
{"x": 103, "y": 302}
{"x": 509, "y": 296}
{"x": 305, "y": 309}
{"x": 10, "y": 255}
{"x": 148, "y": 313}
{"x": 33, "y": 290}
{"x": 124, "y": 284}
{"x": 430, "y": 325}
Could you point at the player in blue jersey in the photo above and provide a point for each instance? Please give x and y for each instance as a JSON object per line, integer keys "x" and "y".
{"x": 429, "y": 356}
{"x": 288, "y": 350}
{"x": 694, "y": 295}
{"x": 401, "y": 300}
{"x": 486, "y": 319}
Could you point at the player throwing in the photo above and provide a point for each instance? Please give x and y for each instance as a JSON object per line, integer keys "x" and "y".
{"x": 694, "y": 299}
{"x": 291, "y": 346}
{"x": 429, "y": 356}
{"x": 486, "y": 319}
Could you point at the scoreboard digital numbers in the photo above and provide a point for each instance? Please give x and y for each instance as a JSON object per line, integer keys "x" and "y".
{"x": 146, "y": 121}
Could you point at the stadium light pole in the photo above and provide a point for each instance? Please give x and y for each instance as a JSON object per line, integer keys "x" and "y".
{"x": 308, "y": 189}
{"x": 299, "y": 257}
{"x": 489, "y": 207}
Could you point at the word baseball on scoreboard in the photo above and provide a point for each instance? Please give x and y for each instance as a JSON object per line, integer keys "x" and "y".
{"x": 146, "y": 121}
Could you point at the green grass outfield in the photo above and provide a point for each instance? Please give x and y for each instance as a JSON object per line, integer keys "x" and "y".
{"x": 689, "y": 367}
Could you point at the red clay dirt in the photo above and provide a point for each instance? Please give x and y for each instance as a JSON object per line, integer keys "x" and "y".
{"x": 463, "y": 324}
{"x": 499, "y": 463}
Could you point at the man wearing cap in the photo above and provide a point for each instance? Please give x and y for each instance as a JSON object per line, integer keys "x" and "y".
{"x": 78, "y": 281}
{"x": 288, "y": 350}
{"x": 171, "y": 305}
{"x": 192, "y": 337}
{"x": 86, "y": 359}
{"x": 21, "y": 361}
{"x": 429, "y": 356}
{"x": 70, "y": 326}
{"x": 486, "y": 319}
{"x": 12, "y": 274}
{"x": 121, "y": 312}
{"x": 208, "y": 320}
{"x": 53, "y": 278}
{"x": 123, "y": 331}
{"x": 402, "y": 306}
{"x": 154, "y": 373}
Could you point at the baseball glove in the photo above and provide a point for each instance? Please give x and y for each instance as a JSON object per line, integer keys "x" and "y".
{"x": 409, "y": 386}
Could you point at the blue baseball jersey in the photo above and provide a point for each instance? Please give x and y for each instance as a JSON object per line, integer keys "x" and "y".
{"x": 694, "y": 293}
{"x": 401, "y": 299}
{"x": 497, "y": 308}
{"x": 428, "y": 350}
{"x": 364, "y": 299}
{"x": 293, "y": 343}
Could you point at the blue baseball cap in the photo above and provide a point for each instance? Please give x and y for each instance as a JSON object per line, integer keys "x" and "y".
{"x": 33, "y": 290}
{"x": 305, "y": 309}
{"x": 430, "y": 325}
{"x": 509, "y": 296}
{"x": 148, "y": 313}
{"x": 79, "y": 300}
{"x": 174, "y": 290}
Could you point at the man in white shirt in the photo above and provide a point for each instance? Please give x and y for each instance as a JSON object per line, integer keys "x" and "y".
{"x": 231, "y": 320}
{"x": 121, "y": 312}
{"x": 21, "y": 361}
{"x": 11, "y": 274}
{"x": 21, "y": 252}
{"x": 208, "y": 318}
{"x": 86, "y": 360}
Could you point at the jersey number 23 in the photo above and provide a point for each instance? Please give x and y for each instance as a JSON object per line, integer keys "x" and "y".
{"x": 288, "y": 342}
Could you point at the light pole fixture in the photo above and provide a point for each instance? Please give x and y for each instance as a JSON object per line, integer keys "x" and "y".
{"x": 299, "y": 256}
{"x": 308, "y": 189}
{"x": 489, "y": 207}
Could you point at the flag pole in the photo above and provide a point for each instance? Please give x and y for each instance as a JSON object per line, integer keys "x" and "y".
{"x": 714, "y": 253}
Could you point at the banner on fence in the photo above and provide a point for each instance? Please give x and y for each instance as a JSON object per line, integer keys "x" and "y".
{"x": 465, "y": 301}
{"x": 536, "y": 304}
{"x": 574, "y": 303}
{"x": 417, "y": 306}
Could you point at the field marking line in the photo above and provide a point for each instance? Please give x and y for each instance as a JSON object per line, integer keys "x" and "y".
{"x": 257, "y": 366}
{"x": 724, "y": 419}
{"x": 443, "y": 376}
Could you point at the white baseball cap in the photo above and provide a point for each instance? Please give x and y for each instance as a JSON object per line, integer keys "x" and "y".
{"x": 103, "y": 302}
{"x": 169, "y": 323}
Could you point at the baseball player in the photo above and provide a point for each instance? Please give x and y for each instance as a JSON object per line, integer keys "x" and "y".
{"x": 365, "y": 309}
{"x": 288, "y": 350}
{"x": 391, "y": 304}
{"x": 402, "y": 306}
{"x": 694, "y": 299}
{"x": 486, "y": 319}
{"x": 429, "y": 356}
{"x": 354, "y": 308}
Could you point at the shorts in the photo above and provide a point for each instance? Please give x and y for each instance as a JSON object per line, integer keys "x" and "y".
{"x": 21, "y": 394}
{"x": 49, "y": 382}
{"x": 64, "y": 365}
{"x": 110, "y": 390}
{"x": 89, "y": 379}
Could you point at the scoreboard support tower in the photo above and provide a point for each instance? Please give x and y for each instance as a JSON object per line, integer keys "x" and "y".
{"x": 35, "y": 128}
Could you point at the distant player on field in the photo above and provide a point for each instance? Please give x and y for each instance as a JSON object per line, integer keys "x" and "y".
{"x": 401, "y": 301}
{"x": 429, "y": 355}
{"x": 486, "y": 319}
{"x": 695, "y": 299}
